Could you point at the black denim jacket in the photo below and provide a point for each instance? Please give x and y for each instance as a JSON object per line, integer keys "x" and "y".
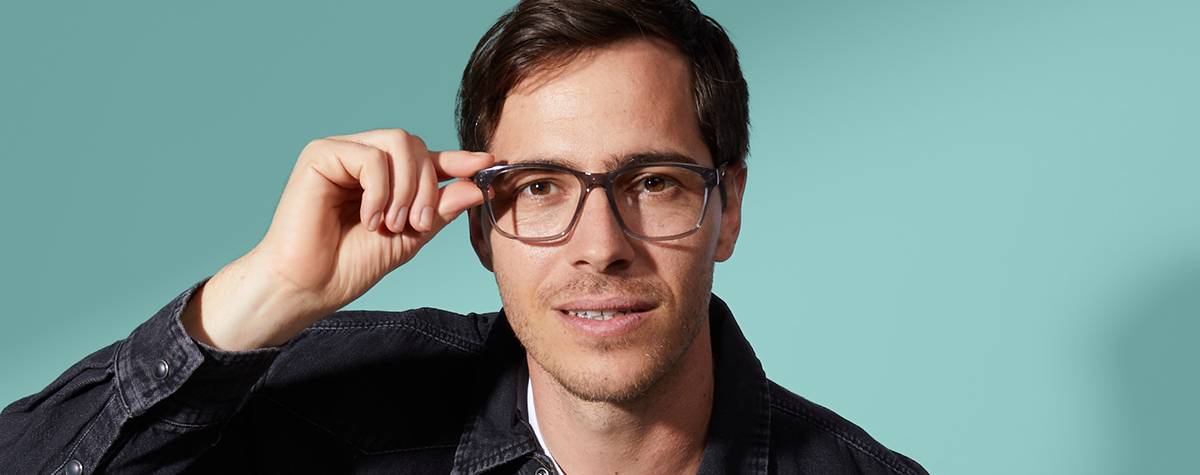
{"x": 423, "y": 391}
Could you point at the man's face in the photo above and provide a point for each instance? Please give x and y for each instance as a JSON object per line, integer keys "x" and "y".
{"x": 630, "y": 98}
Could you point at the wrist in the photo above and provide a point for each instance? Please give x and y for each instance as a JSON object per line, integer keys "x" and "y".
{"x": 242, "y": 308}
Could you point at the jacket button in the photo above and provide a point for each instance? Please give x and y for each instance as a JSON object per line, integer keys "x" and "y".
{"x": 74, "y": 467}
{"x": 161, "y": 369}
{"x": 542, "y": 471}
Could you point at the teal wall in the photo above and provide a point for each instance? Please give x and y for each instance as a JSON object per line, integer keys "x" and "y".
{"x": 971, "y": 227}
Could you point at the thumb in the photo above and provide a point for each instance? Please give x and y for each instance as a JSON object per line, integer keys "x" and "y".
{"x": 455, "y": 198}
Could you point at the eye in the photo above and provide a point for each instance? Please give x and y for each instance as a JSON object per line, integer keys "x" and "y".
{"x": 655, "y": 183}
{"x": 539, "y": 188}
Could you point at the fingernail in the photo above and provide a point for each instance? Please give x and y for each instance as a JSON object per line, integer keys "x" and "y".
{"x": 480, "y": 154}
{"x": 400, "y": 219}
{"x": 389, "y": 218}
{"x": 374, "y": 223}
{"x": 427, "y": 218}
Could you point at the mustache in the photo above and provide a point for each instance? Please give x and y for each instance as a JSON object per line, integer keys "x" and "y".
{"x": 582, "y": 285}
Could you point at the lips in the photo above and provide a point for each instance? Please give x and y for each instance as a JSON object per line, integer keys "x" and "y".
{"x": 601, "y": 315}
{"x": 605, "y": 317}
{"x": 604, "y": 306}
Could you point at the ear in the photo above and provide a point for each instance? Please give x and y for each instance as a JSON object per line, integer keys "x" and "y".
{"x": 731, "y": 211}
{"x": 481, "y": 231}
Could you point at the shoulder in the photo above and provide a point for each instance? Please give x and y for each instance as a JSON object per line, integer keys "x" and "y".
{"x": 806, "y": 434}
{"x": 368, "y": 341}
{"x": 429, "y": 328}
{"x": 355, "y": 376}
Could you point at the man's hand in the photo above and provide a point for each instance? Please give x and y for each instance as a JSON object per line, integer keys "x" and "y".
{"x": 355, "y": 208}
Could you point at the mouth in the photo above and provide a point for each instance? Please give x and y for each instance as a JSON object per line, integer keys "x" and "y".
{"x": 605, "y": 317}
{"x": 600, "y": 315}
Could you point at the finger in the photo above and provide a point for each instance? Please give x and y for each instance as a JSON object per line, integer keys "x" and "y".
{"x": 384, "y": 139}
{"x": 393, "y": 141}
{"x": 460, "y": 164}
{"x": 455, "y": 198}
{"x": 351, "y": 166}
{"x": 406, "y": 150}
{"x": 405, "y": 173}
{"x": 425, "y": 203}
{"x": 448, "y": 164}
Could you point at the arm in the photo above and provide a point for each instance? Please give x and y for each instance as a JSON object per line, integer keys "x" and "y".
{"x": 156, "y": 390}
{"x": 355, "y": 208}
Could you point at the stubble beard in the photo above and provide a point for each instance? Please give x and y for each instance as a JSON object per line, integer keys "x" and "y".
{"x": 660, "y": 358}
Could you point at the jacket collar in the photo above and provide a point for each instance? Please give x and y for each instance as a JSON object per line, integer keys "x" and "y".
{"x": 739, "y": 433}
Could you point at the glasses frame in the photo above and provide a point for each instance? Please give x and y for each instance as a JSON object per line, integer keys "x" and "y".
{"x": 483, "y": 179}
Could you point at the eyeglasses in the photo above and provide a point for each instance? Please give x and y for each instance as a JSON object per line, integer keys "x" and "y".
{"x": 542, "y": 202}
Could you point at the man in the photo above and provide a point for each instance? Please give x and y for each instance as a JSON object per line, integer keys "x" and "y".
{"x": 611, "y": 180}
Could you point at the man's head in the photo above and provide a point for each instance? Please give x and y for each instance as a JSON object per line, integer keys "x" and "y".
{"x": 590, "y": 84}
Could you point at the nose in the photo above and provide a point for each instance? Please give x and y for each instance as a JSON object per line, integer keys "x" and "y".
{"x": 597, "y": 243}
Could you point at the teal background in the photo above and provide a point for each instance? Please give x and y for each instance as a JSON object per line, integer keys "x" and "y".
{"x": 970, "y": 227}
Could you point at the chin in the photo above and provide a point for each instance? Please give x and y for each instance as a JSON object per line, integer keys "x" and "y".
{"x": 613, "y": 368}
{"x": 610, "y": 386}
{"x": 611, "y": 376}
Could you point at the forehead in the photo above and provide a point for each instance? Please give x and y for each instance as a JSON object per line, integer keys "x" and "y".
{"x": 629, "y": 98}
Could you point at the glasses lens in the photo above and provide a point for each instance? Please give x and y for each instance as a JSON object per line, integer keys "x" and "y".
{"x": 534, "y": 202}
{"x": 660, "y": 200}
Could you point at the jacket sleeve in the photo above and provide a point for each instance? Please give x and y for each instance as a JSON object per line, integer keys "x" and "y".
{"x": 152, "y": 402}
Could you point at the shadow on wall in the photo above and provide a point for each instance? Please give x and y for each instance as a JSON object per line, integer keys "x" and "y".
{"x": 1157, "y": 377}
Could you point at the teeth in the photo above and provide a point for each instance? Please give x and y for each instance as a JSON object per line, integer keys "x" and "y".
{"x": 596, "y": 314}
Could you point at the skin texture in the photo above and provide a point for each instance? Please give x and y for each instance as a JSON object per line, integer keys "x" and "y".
{"x": 640, "y": 402}
{"x": 358, "y": 206}
{"x": 355, "y": 208}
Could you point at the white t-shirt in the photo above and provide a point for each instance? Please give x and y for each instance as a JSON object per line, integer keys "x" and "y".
{"x": 534, "y": 423}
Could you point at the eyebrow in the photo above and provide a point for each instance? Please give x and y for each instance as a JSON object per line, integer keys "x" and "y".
{"x": 618, "y": 161}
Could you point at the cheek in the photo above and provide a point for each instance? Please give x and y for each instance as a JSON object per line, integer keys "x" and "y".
{"x": 699, "y": 249}
{"x": 679, "y": 263}
{"x": 519, "y": 269}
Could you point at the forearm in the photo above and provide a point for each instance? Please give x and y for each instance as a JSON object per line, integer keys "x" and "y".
{"x": 127, "y": 402}
{"x": 245, "y": 306}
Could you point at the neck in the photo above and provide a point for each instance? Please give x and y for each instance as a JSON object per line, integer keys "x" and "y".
{"x": 661, "y": 432}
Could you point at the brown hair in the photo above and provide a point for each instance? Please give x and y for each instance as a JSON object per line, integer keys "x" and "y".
{"x": 539, "y": 34}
